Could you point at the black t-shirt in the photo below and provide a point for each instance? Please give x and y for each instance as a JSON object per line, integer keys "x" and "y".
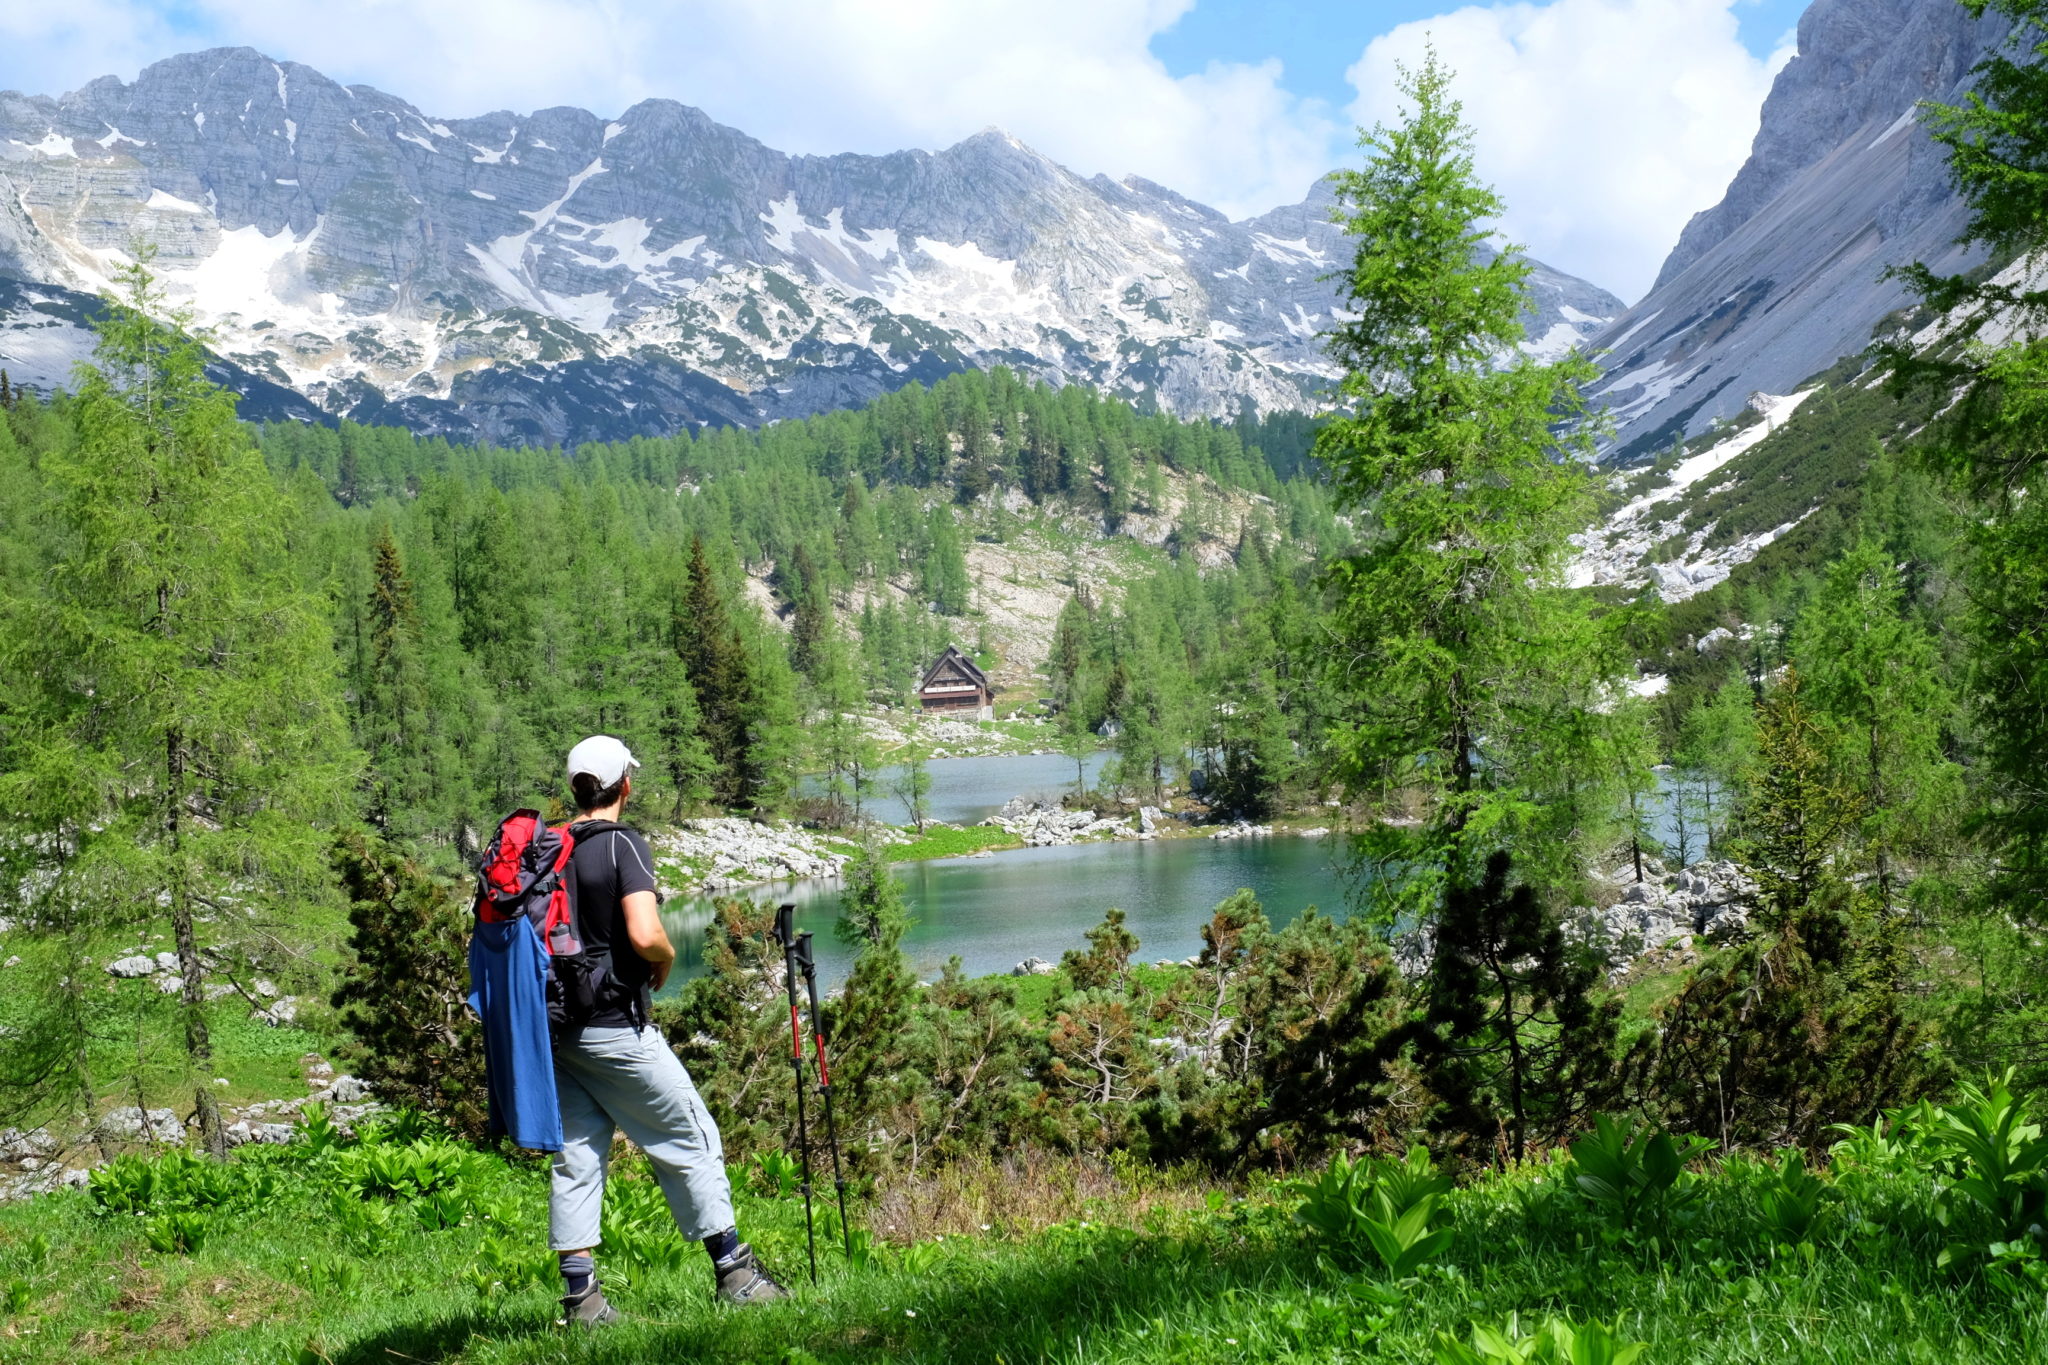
{"x": 610, "y": 863}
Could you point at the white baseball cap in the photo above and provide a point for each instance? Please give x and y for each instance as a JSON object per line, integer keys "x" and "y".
{"x": 603, "y": 757}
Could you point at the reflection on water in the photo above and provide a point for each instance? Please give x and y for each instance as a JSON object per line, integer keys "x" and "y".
{"x": 966, "y": 791}
{"x": 994, "y": 912}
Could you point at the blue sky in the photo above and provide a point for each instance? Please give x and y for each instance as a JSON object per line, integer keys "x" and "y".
{"x": 1604, "y": 123}
{"x": 1316, "y": 40}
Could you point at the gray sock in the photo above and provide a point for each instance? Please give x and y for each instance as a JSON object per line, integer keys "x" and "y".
{"x": 579, "y": 1272}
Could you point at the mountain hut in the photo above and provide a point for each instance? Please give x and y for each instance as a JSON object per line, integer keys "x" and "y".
{"x": 954, "y": 684}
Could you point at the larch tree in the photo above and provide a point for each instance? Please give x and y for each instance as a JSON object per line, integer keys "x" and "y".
{"x": 1461, "y": 663}
{"x": 173, "y": 734}
{"x": 1872, "y": 675}
{"x": 1991, "y": 432}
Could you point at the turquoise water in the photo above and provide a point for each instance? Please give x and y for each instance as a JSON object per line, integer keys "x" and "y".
{"x": 966, "y": 791}
{"x": 996, "y": 911}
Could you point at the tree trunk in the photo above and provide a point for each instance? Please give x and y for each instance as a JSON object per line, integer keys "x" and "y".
{"x": 1884, "y": 871}
{"x": 198, "y": 1046}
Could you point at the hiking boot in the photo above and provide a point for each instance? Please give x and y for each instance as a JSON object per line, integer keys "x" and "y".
{"x": 742, "y": 1280}
{"x": 590, "y": 1308}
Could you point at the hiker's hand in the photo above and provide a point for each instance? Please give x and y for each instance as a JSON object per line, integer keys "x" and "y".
{"x": 658, "y": 973}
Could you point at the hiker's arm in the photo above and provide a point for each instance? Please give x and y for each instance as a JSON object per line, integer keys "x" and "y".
{"x": 648, "y": 934}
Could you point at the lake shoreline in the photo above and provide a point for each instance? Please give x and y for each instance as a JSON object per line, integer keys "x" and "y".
{"x": 690, "y": 868}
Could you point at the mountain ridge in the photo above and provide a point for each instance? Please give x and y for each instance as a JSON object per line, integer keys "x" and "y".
{"x": 1786, "y": 274}
{"x": 560, "y": 276}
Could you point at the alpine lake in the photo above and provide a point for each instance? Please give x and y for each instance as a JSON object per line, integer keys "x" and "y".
{"x": 993, "y": 911}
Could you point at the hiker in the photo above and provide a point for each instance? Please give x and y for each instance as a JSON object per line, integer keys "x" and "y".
{"x": 614, "y": 1071}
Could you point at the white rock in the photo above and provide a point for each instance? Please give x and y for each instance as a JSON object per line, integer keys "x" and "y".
{"x": 16, "y": 1145}
{"x": 263, "y": 989}
{"x": 130, "y": 967}
{"x": 130, "y": 1123}
{"x": 348, "y": 1089}
{"x": 167, "y": 962}
{"x": 170, "y": 985}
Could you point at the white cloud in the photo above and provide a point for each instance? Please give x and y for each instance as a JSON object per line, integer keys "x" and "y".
{"x": 1605, "y": 124}
{"x": 1072, "y": 78}
{"x": 47, "y": 49}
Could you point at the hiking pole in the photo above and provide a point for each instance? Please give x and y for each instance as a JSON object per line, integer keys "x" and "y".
{"x": 809, "y": 963}
{"x": 784, "y": 916}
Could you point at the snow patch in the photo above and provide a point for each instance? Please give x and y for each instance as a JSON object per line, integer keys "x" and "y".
{"x": 1284, "y": 251}
{"x": 54, "y": 144}
{"x": 626, "y": 241}
{"x": 1555, "y": 343}
{"x": 1622, "y": 340}
{"x": 1899, "y": 125}
{"x": 416, "y": 140}
{"x": 1616, "y": 553}
{"x": 546, "y": 214}
{"x": 249, "y": 273}
{"x": 165, "y": 202}
{"x": 590, "y": 312}
{"x": 480, "y": 194}
{"x": 115, "y": 135}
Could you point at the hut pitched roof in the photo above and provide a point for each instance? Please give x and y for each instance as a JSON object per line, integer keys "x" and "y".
{"x": 957, "y": 665}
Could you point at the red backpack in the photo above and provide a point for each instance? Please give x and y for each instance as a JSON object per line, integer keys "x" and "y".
{"x": 525, "y": 873}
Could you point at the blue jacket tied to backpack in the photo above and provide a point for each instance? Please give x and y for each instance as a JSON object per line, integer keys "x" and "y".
{"x": 508, "y": 979}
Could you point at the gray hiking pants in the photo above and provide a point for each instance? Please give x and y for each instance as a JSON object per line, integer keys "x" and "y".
{"x": 616, "y": 1078}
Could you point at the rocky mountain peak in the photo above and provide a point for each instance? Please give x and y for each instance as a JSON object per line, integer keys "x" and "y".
{"x": 1786, "y": 274}
{"x": 560, "y": 275}
{"x": 1860, "y": 62}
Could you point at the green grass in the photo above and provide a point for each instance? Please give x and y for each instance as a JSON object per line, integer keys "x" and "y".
{"x": 127, "y": 1019}
{"x": 1126, "y": 1277}
{"x": 951, "y": 842}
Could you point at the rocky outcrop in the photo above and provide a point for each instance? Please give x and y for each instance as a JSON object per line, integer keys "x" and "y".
{"x": 719, "y": 854}
{"x": 134, "y": 1124}
{"x": 1042, "y": 824}
{"x": 1784, "y": 276}
{"x": 1709, "y": 900}
{"x": 560, "y": 276}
